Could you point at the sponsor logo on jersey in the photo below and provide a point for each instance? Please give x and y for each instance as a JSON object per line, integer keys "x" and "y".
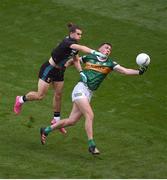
{"x": 98, "y": 67}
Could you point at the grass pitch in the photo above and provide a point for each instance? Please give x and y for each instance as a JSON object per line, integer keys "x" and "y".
{"x": 130, "y": 112}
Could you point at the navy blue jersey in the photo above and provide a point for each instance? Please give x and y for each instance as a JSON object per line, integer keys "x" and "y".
{"x": 62, "y": 53}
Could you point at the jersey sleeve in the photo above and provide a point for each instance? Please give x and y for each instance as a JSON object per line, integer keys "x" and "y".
{"x": 114, "y": 64}
{"x": 83, "y": 59}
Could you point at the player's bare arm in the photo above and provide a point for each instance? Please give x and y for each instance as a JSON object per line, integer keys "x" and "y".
{"x": 87, "y": 50}
{"x": 76, "y": 62}
{"x": 126, "y": 71}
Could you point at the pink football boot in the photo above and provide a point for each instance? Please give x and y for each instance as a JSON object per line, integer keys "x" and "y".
{"x": 17, "y": 106}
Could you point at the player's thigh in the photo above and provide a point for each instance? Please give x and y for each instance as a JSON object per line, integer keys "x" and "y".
{"x": 84, "y": 106}
{"x": 58, "y": 86}
{"x": 42, "y": 87}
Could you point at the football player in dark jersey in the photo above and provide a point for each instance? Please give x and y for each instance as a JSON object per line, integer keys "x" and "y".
{"x": 53, "y": 70}
{"x": 96, "y": 69}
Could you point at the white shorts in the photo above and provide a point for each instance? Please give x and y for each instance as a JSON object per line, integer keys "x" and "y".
{"x": 81, "y": 91}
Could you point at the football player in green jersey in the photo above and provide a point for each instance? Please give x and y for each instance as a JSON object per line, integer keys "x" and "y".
{"x": 95, "y": 70}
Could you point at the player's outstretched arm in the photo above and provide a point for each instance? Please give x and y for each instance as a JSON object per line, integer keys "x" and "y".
{"x": 85, "y": 49}
{"x": 128, "y": 71}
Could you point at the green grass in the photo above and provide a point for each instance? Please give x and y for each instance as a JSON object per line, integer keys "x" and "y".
{"x": 130, "y": 112}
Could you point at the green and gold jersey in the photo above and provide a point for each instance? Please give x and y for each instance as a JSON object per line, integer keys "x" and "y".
{"x": 96, "y": 70}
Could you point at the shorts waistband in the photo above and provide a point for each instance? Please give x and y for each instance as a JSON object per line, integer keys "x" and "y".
{"x": 85, "y": 85}
{"x": 52, "y": 63}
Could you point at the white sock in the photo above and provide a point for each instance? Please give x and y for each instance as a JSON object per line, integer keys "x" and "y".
{"x": 21, "y": 100}
{"x": 57, "y": 119}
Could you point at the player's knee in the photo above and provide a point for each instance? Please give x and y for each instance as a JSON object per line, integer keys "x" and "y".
{"x": 40, "y": 96}
{"x": 58, "y": 95}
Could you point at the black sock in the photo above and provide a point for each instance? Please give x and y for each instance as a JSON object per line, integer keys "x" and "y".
{"x": 56, "y": 114}
{"x": 24, "y": 98}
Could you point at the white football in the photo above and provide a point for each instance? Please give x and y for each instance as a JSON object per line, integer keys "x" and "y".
{"x": 143, "y": 59}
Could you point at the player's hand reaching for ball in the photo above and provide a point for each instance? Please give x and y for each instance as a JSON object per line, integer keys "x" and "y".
{"x": 142, "y": 69}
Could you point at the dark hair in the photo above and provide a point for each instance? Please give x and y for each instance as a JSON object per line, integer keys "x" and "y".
{"x": 105, "y": 43}
{"x": 73, "y": 27}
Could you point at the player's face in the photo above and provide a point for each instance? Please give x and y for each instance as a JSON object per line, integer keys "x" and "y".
{"x": 76, "y": 35}
{"x": 105, "y": 49}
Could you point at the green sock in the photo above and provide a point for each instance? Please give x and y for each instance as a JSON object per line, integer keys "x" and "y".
{"x": 48, "y": 130}
{"x": 91, "y": 142}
